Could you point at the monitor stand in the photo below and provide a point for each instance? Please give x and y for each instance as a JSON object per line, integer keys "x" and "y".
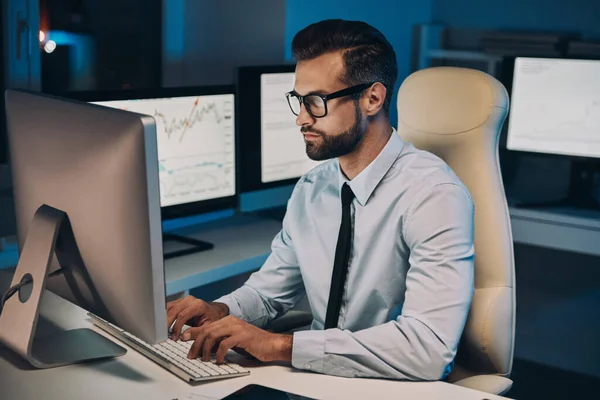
{"x": 197, "y": 246}
{"x": 581, "y": 188}
{"x": 50, "y": 233}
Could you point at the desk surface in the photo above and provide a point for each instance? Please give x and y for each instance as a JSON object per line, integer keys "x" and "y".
{"x": 242, "y": 244}
{"x": 579, "y": 217}
{"x": 135, "y": 376}
{"x": 560, "y": 228}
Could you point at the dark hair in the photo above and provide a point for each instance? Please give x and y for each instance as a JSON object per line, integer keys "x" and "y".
{"x": 368, "y": 56}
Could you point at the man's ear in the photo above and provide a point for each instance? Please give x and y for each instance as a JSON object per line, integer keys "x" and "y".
{"x": 375, "y": 97}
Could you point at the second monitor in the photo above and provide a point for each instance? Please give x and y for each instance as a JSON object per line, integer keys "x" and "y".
{"x": 274, "y": 152}
{"x": 555, "y": 107}
{"x": 196, "y": 148}
{"x": 555, "y": 111}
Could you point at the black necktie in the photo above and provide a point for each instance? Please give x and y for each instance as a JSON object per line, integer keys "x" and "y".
{"x": 340, "y": 265}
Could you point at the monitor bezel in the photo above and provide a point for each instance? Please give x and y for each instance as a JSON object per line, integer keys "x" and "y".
{"x": 186, "y": 209}
{"x": 248, "y": 90}
{"x": 508, "y": 81}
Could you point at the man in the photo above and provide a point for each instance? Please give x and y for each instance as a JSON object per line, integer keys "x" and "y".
{"x": 405, "y": 282}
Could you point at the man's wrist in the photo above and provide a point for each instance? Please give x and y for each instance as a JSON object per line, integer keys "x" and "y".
{"x": 222, "y": 309}
{"x": 285, "y": 345}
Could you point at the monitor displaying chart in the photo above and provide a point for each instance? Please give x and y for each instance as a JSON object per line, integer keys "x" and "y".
{"x": 283, "y": 152}
{"x": 196, "y": 145}
{"x": 555, "y": 107}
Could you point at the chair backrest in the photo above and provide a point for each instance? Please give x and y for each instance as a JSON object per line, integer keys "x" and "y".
{"x": 457, "y": 114}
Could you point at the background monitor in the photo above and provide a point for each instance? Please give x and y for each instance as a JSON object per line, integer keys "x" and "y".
{"x": 196, "y": 150}
{"x": 555, "y": 107}
{"x": 274, "y": 152}
{"x": 196, "y": 143}
{"x": 555, "y": 112}
{"x": 99, "y": 166}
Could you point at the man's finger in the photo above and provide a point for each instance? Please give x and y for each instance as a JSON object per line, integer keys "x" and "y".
{"x": 217, "y": 329}
{"x": 201, "y": 320}
{"x": 182, "y": 317}
{"x": 217, "y": 332}
{"x": 203, "y": 327}
{"x": 173, "y": 303}
{"x": 198, "y": 343}
{"x": 224, "y": 347}
{"x": 172, "y": 315}
{"x": 211, "y": 340}
{"x": 191, "y": 334}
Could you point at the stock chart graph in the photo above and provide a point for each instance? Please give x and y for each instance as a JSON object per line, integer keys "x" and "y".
{"x": 196, "y": 145}
{"x": 555, "y": 107}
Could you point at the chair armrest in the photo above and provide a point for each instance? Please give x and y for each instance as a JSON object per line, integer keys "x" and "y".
{"x": 290, "y": 321}
{"x": 493, "y": 384}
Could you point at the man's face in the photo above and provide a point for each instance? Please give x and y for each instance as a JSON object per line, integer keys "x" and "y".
{"x": 342, "y": 129}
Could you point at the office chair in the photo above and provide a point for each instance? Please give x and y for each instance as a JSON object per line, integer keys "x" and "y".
{"x": 457, "y": 114}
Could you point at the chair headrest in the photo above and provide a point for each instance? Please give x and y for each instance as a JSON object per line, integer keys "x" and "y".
{"x": 449, "y": 100}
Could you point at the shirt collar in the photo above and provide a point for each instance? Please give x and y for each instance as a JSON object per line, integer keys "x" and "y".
{"x": 367, "y": 180}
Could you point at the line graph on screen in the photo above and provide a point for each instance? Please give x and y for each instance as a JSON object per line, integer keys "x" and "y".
{"x": 196, "y": 144}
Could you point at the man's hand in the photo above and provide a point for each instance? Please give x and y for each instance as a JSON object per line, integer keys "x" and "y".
{"x": 193, "y": 312}
{"x": 233, "y": 333}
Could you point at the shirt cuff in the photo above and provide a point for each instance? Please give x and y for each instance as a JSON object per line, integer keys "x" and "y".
{"x": 234, "y": 308}
{"x": 308, "y": 350}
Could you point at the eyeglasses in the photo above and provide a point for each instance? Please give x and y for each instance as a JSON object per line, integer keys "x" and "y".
{"x": 316, "y": 104}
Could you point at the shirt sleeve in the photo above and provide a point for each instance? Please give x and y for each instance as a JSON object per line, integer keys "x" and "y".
{"x": 276, "y": 287}
{"x": 421, "y": 343}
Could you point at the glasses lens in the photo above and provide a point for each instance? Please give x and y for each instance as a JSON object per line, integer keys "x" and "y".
{"x": 316, "y": 105}
{"x": 294, "y": 103}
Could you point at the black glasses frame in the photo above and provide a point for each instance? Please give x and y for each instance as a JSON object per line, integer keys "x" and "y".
{"x": 325, "y": 97}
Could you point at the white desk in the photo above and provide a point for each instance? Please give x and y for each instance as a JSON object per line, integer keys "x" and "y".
{"x": 135, "y": 377}
{"x": 242, "y": 244}
{"x": 567, "y": 229}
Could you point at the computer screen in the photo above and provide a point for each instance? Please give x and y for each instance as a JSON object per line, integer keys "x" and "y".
{"x": 196, "y": 144}
{"x": 87, "y": 176}
{"x": 273, "y": 152}
{"x": 283, "y": 154}
{"x": 555, "y": 107}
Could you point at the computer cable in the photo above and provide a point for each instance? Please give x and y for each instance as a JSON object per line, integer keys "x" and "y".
{"x": 15, "y": 288}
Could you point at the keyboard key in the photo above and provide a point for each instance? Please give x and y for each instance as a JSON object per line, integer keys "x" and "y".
{"x": 228, "y": 369}
{"x": 223, "y": 371}
{"x": 206, "y": 368}
{"x": 238, "y": 368}
{"x": 200, "y": 371}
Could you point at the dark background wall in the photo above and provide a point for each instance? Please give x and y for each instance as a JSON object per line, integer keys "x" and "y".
{"x": 222, "y": 35}
{"x": 579, "y": 16}
{"x": 394, "y": 18}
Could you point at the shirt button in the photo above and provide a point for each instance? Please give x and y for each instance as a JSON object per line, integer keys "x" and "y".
{"x": 307, "y": 366}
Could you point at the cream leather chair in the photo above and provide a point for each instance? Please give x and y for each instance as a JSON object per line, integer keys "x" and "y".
{"x": 457, "y": 114}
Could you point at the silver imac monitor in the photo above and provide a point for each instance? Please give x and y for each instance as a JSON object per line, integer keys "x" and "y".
{"x": 86, "y": 190}
{"x": 195, "y": 130}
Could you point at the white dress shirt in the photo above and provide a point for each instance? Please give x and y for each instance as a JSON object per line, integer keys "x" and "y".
{"x": 410, "y": 278}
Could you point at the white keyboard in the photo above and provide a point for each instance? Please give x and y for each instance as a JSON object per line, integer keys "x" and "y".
{"x": 173, "y": 356}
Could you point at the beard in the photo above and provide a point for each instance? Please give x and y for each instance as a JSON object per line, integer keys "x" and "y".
{"x": 332, "y": 146}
